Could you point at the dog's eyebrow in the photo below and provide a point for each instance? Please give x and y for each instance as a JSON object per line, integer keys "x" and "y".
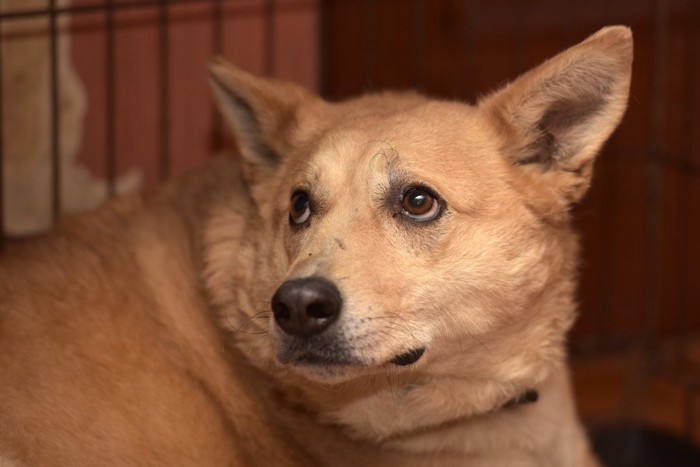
{"x": 397, "y": 178}
{"x": 390, "y": 157}
{"x": 308, "y": 170}
{"x": 307, "y": 174}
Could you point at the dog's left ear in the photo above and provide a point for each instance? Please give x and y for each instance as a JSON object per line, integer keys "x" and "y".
{"x": 553, "y": 120}
{"x": 262, "y": 113}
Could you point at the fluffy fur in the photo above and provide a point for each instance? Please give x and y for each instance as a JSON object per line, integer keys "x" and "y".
{"x": 142, "y": 334}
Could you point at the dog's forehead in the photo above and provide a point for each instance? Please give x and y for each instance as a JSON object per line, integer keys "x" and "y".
{"x": 446, "y": 145}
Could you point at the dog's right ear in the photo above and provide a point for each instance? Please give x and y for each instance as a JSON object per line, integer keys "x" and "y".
{"x": 261, "y": 112}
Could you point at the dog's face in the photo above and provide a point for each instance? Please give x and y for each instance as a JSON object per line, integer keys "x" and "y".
{"x": 397, "y": 233}
{"x": 391, "y": 236}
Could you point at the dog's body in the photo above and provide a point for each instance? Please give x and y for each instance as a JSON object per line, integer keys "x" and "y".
{"x": 395, "y": 312}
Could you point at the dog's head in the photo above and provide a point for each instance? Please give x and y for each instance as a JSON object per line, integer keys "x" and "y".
{"x": 395, "y": 233}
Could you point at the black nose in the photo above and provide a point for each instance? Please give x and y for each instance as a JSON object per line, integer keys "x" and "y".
{"x": 305, "y": 307}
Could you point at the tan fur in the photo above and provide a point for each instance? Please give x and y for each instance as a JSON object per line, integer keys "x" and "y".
{"x": 142, "y": 334}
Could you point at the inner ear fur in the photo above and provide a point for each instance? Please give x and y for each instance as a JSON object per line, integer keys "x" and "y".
{"x": 553, "y": 120}
{"x": 262, "y": 113}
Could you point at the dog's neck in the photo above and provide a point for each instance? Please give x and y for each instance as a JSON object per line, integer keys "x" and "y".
{"x": 387, "y": 408}
{"x": 510, "y": 408}
{"x": 384, "y": 422}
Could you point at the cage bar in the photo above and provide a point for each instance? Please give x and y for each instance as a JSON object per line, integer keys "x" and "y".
{"x": 110, "y": 114}
{"x": 418, "y": 43}
{"x": 370, "y": 40}
{"x": 217, "y": 13}
{"x": 519, "y": 13}
{"x": 682, "y": 335}
{"x": 324, "y": 78}
{"x": 654, "y": 160}
{"x": 689, "y": 125}
{"x": 269, "y": 37}
{"x": 2, "y": 150}
{"x": 468, "y": 48}
{"x": 54, "y": 112}
{"x": 164, "y": 94}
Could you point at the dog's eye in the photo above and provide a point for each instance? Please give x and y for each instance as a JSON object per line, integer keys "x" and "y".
{"x": 299, "y": 209}
{"x": 420, "y": 204}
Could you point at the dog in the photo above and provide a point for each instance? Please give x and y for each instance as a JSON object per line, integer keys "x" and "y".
{"x": 383, "y": 281}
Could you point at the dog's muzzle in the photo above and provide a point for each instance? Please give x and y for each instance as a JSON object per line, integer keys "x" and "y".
{"x": 303, "y": 309}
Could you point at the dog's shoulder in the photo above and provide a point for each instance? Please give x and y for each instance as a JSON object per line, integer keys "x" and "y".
{"x": 105, "y": 315}
{"x": 113, "y": 232}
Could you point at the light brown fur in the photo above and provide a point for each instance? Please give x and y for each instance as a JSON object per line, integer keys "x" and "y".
{"x": 141, "y": 334}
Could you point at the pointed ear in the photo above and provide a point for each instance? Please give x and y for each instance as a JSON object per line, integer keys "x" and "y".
{"x": 262, "y": 113}
{"x": 554, "y": 119}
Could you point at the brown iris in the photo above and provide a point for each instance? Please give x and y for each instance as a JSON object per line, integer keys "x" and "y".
{"x": 419, "y": 204}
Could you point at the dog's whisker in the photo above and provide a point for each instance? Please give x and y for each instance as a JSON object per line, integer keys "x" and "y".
{"x": 251, "y": 320}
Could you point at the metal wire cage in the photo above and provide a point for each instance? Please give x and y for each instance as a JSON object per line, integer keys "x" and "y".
{"x": 636, "y": 348}
{"x": 102, "y": 25}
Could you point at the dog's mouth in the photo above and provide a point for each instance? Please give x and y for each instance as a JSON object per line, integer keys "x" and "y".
{"x": 321, "y": 353}
{"x": 408, "y": 358}
{"x": 316, "y": 352}
{"x": 311, "y": 359}
{"x": 334, "y": 360}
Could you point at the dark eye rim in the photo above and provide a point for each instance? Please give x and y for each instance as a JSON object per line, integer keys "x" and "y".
{"x": 441, "y": 205}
